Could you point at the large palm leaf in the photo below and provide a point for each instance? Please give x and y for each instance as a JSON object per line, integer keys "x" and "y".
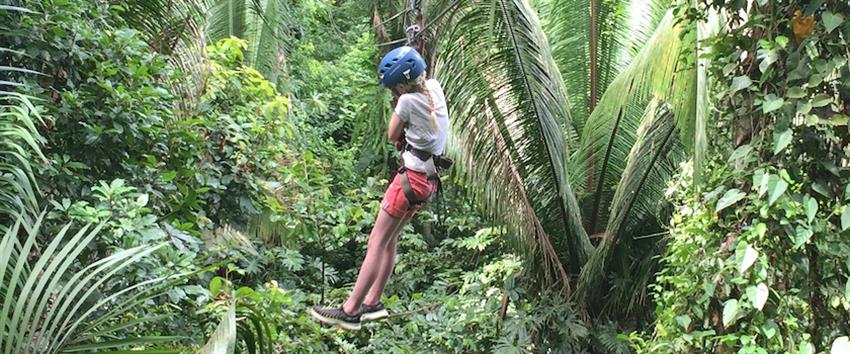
{"x": 594, "y": 41}
{"x": 652, "y": 160}
{"x": 47, "y": 307}
{"x": 19, "y": 144}
{"x": 510, "y": 114}
{"x": 657, "y": 71}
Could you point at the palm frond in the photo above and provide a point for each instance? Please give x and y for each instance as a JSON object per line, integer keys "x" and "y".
{"x": 223, "y": 340}
{"x": 658, "y": 71}
{"x": 509, "y": 110}
{"x": 19, "y": 145}
{"x": 175, "y": 28}
{"x": 705, "y": 30}
{"x": 266, "y": 37}
{"x": 46, "y": 303}
{"x": 227, "y": 18}
{"x": 651, "y": 161}
{"x": 594, "y": 42}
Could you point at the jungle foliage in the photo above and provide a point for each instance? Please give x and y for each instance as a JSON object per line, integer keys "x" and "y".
{"x": 192, "y": 176}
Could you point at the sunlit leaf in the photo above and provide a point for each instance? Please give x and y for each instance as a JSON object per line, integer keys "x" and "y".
{"x": 730, "y": 312}
{"x": 732, "y": 196}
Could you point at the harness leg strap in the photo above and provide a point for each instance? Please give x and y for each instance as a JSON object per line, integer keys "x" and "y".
{"x": 408, "y": 190}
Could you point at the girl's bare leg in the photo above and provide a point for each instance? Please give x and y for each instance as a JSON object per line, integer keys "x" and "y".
{"x": 374, "y": 295}
{"x": 380, "y": 248}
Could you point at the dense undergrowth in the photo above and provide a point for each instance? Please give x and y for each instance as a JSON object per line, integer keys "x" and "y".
{"x": 256, "y": 199}
{"x": 261, "y": 195}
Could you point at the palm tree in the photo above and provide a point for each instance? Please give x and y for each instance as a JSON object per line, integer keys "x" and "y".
{"x": 570, "y": 127}
{"x": 49, "y": 307}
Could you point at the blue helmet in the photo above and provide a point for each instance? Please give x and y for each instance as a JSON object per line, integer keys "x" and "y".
{"x": 400, "y": 65}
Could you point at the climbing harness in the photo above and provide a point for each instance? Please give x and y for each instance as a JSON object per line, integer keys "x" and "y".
{"x": 436, "y": 165}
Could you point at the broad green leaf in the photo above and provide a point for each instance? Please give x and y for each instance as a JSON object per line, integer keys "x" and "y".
{"x": 758, "y": 295}
{"x": 684, "y": 321}
{"x": 781, "y": 140}
{"x": 776, "y": 186}
{"x": 838, "y": 120}
{"x": 768, "y": 57}
{"x": 782, "y": 41}
{"x": 795, "y": 92}
{"x": 741, "y": 152}
{"x": 831, "y": 21}
{"x": 821, "y": 100}
{"x": 761, "y": 229}
{"x": 845, "y": 218}
{"x": 739, "y": 83}
{"x": 802, "y": 235}
{"x": 806, "y": 348}
{"x": 223, "y": 340}
{"x": 747, "y": 259}
{"x": 847, "y": 192}
{"x": 840, "y": 345}
{"x": 760, "y": 179}
{"x": 810, "y": 205}
{"x": 215, "y": 286}
{"x": 820, "y": 188}
{"x": 769, "y": 329}
{"x": 772, "y": 103}
{"x": 812, "y": 120}
{"x": 804, "y": 108}
{"x": 732, "y": 196}
{"x": 730, "y": 312}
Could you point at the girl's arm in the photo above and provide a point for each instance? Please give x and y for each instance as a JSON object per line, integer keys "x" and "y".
{"x": 396, "y": 128}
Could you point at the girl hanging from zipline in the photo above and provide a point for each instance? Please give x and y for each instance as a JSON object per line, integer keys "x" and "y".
{"x": 419, "y": 127}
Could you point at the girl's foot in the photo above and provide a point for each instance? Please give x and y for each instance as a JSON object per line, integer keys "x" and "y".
{"x": 373, "y": 312}
{"x": 336, "y": 317}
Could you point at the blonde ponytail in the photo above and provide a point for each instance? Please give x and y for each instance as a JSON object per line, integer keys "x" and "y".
{"x": 432, "y": 108}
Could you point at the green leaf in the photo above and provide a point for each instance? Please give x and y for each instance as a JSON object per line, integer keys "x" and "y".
{"x": 795, "y": 92}
{"x": 760, "y": 179}
{"x": 840, "y": 345}
{"x": 739, "y": 83}
{"x": 776, "y": 186}
{"x": 215, "y": 286}
{"x": 847, "y": 290}
{"x": 772, "y": 103}
{"x": 758, "y": 295}
{"x": 684, "y": 321}
{"x": 782, "y": 41}
{"x": 803, "y": 108}
{"x": 741, "y": 152}
{"x": 812, "y": 120}
{"x": 845, "y": 218}
{"x": 806, "y": 348}
{"x": 847, "y": 192}
{"x": 821, "y": 100}
{"x": 730, "y": 312}
{"x": 747, "y": 259}
{"x": 802, "y": 235}
{"x": 732, "y": 196}
{"x": 781, "y": 140}
{"x": 838, "y": 120}
{"x": 831, "y": 21}
{"x": 810, "y": 205}
{"x": 768, "y": 57}
{"x": 822, "y": 190}
{"x": 223, "y": 340}
{"x": 769, "y": 329}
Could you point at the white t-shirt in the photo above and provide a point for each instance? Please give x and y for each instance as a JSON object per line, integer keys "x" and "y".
{"x": 413, "y": 110}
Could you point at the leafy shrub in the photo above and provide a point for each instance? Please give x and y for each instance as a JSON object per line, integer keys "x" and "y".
{"x": 757, "y": 261}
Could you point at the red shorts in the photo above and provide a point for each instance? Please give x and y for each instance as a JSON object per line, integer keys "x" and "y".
{"x": 395, "y": 202}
